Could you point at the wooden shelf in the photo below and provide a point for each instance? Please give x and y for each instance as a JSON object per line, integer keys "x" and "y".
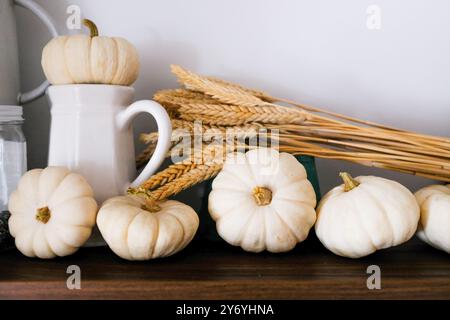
{"x": 215, "y": 270}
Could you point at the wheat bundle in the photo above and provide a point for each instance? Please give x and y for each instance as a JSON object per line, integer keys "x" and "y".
{"x": 300, "y": 129}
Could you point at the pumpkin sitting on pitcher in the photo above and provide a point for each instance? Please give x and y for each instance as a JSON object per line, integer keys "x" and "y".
{"x": 90, "y": 59}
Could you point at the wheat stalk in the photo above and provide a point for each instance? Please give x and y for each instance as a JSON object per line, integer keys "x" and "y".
{"x": 180, "y": 176}
{"x": 143, "y": 157}
{"x": 169, "y": 174}
{"x": 200, "y": 174}
{"x": 177, "y": 96}
{"x": 208, "y": 131}
{"x": 230, "y": 118}
{"x": 257, "y": 93}
{"x": 225, "y": 94}
{"x": 183, "y": 128}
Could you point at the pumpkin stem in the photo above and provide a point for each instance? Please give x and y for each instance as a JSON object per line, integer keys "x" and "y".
{"x": 150, "y": 208}
{"x": 43, "y": 214}
{"x": 349, "y": 182}
{"x": 263, "y": 196}
{"x": 92, "y": 27}
{"x": 150, "y": 203}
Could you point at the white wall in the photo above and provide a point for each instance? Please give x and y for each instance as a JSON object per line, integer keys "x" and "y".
{"x": 317, "y": 52}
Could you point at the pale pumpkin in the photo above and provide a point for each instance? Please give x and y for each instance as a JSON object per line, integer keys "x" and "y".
{"x": 366, "y": 214}
{"x": 135, "y": 230}
{"x": 434, "y": 223}
{"x": 52, "y": 213}
{"x": 262, "y": 200}
{"x": 90, "y": 59}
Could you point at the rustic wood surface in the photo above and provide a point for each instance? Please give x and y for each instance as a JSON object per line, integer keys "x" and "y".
{"x": 214, "y": 270}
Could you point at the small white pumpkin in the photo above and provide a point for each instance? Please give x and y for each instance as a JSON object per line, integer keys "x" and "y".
{"x": 52, "y": 213}
{"x": 434, "y": 224}
{"x": 136, "y": 231}
{"x": 366, "y": 214}
{"x": 90, "y": 59}
{"x": 262, "y": 200}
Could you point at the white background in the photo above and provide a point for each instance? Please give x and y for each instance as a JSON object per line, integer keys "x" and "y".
{"x": 317, "y": 52}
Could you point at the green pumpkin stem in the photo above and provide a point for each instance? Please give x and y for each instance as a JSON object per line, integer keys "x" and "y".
{"x": 92, "y": 27}
{"x": 349, "y": 182}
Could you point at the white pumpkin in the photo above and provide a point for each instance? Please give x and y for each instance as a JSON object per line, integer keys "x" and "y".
{"x": 262, "y": 200}
{"x": 52, "y": 213}
{"x": 90, "y": 59}
{"x": 135, "y": 231}
{"x": 366, "y": 214}
{"x": 434, "y": 224}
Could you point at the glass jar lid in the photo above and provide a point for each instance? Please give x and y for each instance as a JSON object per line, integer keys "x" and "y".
{"x": 11, "y": 113}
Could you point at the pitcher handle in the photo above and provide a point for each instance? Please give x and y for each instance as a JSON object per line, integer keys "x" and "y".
{"x": 124, "y": 119}
{"x": 45, "y": 18}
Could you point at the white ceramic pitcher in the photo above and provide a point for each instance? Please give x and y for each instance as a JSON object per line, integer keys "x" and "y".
{"x": 91, "y": 134}
{"x": 9, "y": 56}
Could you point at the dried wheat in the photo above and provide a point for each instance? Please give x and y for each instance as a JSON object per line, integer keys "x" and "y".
{"x": 199, "y": 174}
{"x": 229, "y": 95}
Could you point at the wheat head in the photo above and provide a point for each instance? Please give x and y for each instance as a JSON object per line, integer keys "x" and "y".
{"x": 228, "y": 95}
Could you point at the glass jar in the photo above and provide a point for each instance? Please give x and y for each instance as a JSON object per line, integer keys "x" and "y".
{"x": 13, "y": 163}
